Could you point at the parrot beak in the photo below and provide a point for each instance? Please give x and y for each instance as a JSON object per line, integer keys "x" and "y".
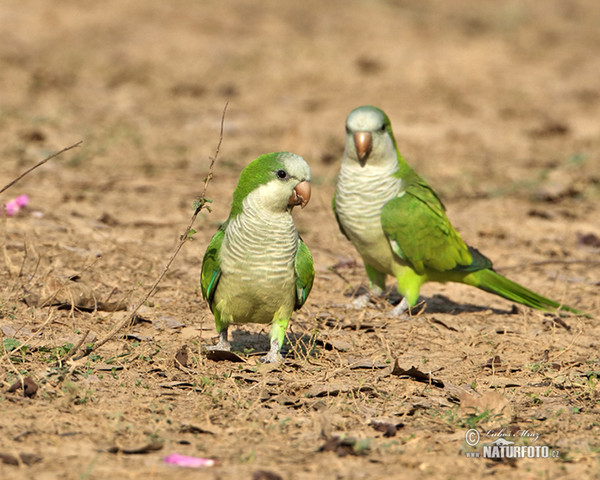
{"x": 364, "y": 143}
{"x": 300, "y": 194}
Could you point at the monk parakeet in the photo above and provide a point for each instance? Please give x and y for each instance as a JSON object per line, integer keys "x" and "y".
{"x": 256, "y": 268}
{"x": 398, "y": 224}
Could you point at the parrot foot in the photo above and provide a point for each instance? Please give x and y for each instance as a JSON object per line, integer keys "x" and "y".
{"x": 222, "y": 344}
{"x": 400, "y": 309}
{"x": 361, "y": 301}
{"x": 371, "y": 297}
{"x": 273, "y": 356}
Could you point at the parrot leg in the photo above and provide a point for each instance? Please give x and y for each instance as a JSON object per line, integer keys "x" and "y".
{"x": 223, "y": 343}
{"x": 400, "y": 309}
{"x": 376, "y": 288}
{"x": 376, "y": 279}
{"x": 409, "y": 284}
{"x": 277, "y": 335}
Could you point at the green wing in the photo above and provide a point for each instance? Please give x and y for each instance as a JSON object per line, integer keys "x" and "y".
{"x": 305, "y": 273}
{"x": 337, "y": 218}
{"x": 419, "y": 232}
{"x": 211, "y": 266}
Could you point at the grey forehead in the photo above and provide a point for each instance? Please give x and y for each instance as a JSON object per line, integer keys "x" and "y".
{"x": 296, "y": 165}
{"x": 364, "y": 119}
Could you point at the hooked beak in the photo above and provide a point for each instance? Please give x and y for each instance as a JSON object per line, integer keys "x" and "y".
{"x": 300, "y": 194}
{"x": 364, "y": 143}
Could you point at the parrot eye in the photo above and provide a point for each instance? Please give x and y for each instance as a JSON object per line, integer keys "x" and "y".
{"x": 281, "y": 174}
{"x": 383, "y": 128}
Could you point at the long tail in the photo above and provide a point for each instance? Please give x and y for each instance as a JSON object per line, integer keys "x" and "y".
{"x": 495, "y": 283}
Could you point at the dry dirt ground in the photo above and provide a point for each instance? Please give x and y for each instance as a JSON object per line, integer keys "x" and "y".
{"x": 496, "y": 104}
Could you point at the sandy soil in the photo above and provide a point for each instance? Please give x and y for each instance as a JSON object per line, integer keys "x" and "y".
{"x": 495, "y": 104}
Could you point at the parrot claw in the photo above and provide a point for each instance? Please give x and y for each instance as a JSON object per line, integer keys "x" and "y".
{"x": 400, "y": 309}
{"x": 273, "y": 356}
{"x": 222, "y": 344}
{"x": 361, "y": 301}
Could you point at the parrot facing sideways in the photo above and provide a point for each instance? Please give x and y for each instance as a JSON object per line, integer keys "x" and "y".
{"x": 256, "y": 268}
{"x": 399, "y": 225}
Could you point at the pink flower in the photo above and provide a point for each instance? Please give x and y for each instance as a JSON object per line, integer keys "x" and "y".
{"x": 191, "y": 462}
{"x": 16, "y": 204}
{"x": 22, "y": 200}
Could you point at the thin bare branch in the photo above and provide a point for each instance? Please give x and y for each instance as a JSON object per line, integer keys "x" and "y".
{"x": 39, "y": 164}
{"x": 76, "y": 347}
{"x": 184, "y": 238}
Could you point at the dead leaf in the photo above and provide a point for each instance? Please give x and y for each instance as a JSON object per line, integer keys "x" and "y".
{"x": 343, "y": 446}
{"x": 416, "y": 374}
{"x": 138, "y": 336}
{"x": 107, "y": 367}
{"x": 550, "y": 128}
{"x": 504, "y": 382}
{"x": 24, "y": 458}
{"x": 288, "y": 401}
{"x": 334, "y": 389}
{"x": 176, "y": 385}
{"x": 556, "y": 321}
{"x": 167, "y": 322}
{"x": 534, "y": 212}
{"x": 223, "y": 355}
{"x": 70, "y": 293}
{"x": 326, "y": 390}
{"x": 334, "y": 344}
{"x": 246, "y": 379}
{"x": 181, "y": 357}
{"x": 364, "y": 363}
{"x": 388, "y": 429}
{"x": 588, "y": 240}
{"x": 28, "y": 385}
{"x": 189, "y": 428}
{"x": 20, "y": 331}
{"x": 265, "y": 475}
{"x": 495, "y": 364}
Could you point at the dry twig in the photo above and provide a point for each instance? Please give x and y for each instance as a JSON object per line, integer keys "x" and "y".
{"x": 202, "y": 201}
{"x": 39, "y": 164}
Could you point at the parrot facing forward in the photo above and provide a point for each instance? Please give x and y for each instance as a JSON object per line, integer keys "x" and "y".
{"x": 256, "y": 268}
{"x": 399, "y": 226}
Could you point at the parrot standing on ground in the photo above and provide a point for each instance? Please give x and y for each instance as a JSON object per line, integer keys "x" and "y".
{"x": 256, "y": 268}
{"x": 399, "y": 226}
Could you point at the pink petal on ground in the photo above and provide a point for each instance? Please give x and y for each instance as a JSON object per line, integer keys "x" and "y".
{"x": 22, "y": 200}
{"x": 11, "y": 208}
{"x": 14, "y": 205}
{"x": 190, "y": 462}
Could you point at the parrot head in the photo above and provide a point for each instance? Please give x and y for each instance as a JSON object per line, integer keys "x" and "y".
{"x": 369, "y": 136}
{"x": 279, "y": 180}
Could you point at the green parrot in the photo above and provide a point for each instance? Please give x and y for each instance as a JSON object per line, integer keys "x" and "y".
{"x": 399, "y": 226}
{"x": 256, "y": 268}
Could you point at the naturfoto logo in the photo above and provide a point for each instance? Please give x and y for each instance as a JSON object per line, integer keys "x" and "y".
{"x": 501, "y": 447}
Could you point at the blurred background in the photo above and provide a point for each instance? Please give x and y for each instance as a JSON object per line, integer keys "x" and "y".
{"x": 482, "y": 96}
